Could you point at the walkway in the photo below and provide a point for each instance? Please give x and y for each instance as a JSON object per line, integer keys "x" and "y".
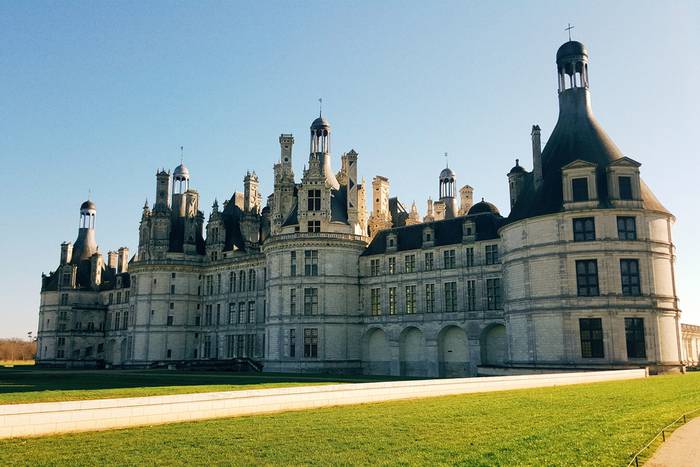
{"x": 681, "y": 449}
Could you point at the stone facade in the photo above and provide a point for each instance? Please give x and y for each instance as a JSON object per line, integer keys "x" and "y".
{"x": 579, "y": 275}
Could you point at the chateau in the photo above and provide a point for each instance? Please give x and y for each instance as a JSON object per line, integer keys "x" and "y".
{"x": 580, "y": 274}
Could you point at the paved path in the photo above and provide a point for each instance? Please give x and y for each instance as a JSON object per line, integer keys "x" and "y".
{"x": 681, "y": 449}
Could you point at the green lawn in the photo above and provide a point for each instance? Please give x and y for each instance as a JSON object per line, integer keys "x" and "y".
{"x": 26, "y": 384}
{"x": 594, "y": 424}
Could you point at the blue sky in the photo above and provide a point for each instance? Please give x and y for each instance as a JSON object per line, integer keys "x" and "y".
{"x": 99, "y": 95}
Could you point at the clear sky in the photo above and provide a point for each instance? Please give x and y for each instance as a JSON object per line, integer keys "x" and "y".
{"x": 99, "y": 95}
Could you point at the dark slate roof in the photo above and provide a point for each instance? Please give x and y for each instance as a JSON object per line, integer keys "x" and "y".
{"x": 398, "y": 212}
{"x": 88, "y": 205}
{"x": 339, "y": 205}
{"x": 576, "y": 136}
{"x": 231, "y": 216}
{"x": 320, "y": 123}
{"x": 571, "y": 49}
{"x": 483, "y": 207}
{"x": 293, "y": 217}
{"x": 446, "y": 232}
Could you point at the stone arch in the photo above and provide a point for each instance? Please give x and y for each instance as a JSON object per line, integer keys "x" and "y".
{"x": 493, "y": 344}
{"x": 377, "y": 353}
{"x": 453, "y": 352}
{"x": 412, "y": 352}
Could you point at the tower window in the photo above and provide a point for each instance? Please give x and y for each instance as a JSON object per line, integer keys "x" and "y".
{"x": 629, "y": 273}
{"x": 314, "y": 200}
{"x": 625, "y": 184}
{"x": 584, "y": 229}
{"x": 587, "y": 277}
{"x": 579, "y": 189}
{"x": 314, "y": 226}
{"x": 634, "y": 333}
{"x": 626, "y": 228}
{"x": 591, "y": 337}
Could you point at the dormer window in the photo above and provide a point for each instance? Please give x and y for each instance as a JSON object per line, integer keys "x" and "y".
{"x": 314, "y": 200}
{"x": 579, "y": 189}
{"x": 625, "y": 184}
{"x": 428, "y": 236}
{"x": 468, "y": 231}
{"x": 391, "y": 242}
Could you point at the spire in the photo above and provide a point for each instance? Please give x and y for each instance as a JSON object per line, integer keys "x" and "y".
{"x": 320, "y": 107}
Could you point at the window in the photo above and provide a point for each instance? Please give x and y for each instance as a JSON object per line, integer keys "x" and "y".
{"x": 584, "y": 229}
{"x": 197, "y": 320}
{"x": 207, "y": 346}
{"x": 218, "y": 313}
{"x": 252, "y": 278}
{"x": 450, "y": 296}
{"x": 231, "y": 281}
{"x": 429, "y": 262}
{"x": 314, "y": 226}
{"x": 310, "y": 301}
{"x": 375, "y": 302}
{"x": 125, "y": 320}
{"x": 449, "y": 259}
{"x": 625, "y": 184}
{"x": 241, "y": 281}
{"x": 493, "y": 294}
{"x": 429, "y": 298}
{"x": 251, "y": 312}
{"x": 374, "y": 267}
{"x": 634, "y": 333}
{"x": 172, "y": 289}
{"x": 241, "y": 313}
{"x": 579, "y": 189}
{"x": 208, "y": 316}
{"x": 126, "y": 296}
{"x": 231, "y": 313}
{"x": 587, "y": 277}
{"x": 230, "y": 346}
{"x": 629, "y": 273}
{"x": 293, "y": 263}
{"x": 218, "y": 284}
{"x": 314, "y": 200}
{"x": 392, "y": 300}
{"x": 311, "y": 263}
{"x": 240, "y": 345}
{"x": 626, "y": 228}
{"x": 170, "y": 321}
{"x": 392, "y": 265}
{"x": 172, "y": 275}
{"x": 292, "y": 302}
{"x": 311, "y": 343}
{"x": 110, "y": 299}
{"x": 172, "y": 306}
{"x": 292, "y": 342}
{"x": 410, "y": 299}
{"x": 491, "y": 254}
{"x": 469, "y": 256}
{"x": 471, "y": 295}
{"x": 209, "y": 285}
{"x": 119, "y": 298}
{"x": 410, "y": 263}
{"x": 64, "y": 299}
{"x": 428, "y": 237}
{"x": 591, "y": 337}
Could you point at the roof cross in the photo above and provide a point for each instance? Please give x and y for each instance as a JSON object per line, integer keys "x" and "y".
{"x": 568, "y": 29}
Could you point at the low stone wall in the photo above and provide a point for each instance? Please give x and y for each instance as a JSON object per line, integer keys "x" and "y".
{"x": 61, "y": 417}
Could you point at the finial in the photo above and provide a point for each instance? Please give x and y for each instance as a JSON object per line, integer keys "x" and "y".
{"x": 320, "y": 107}
{"x": 517, "y": 162}
{"x": 568, "y": 29}
{"x": 145, "y": 205}
{"x": 89, "y": 194}
{"x": 446, "y": 161}
{"x": 182, "y": 154}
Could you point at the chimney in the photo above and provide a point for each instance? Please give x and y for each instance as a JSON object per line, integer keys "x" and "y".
{"x": 66, "y": 252}
{"x": 112, "y": 260}
{"x": 536, "y": 156}
{"x": 123, "y": 259}
{"x": 96, "y": 264}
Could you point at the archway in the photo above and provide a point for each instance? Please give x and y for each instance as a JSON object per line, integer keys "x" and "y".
{"x": 493, "y": 345}
{"x": 412, "y": 352}
{"x": 377, "y": 353}
{"x": 453, "y": 352}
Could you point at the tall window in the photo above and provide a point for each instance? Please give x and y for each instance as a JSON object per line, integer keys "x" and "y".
{"x": 241, "y": 281}
{"x": 634, "y": 333}
{"x": 251, "y": 312}
{"x": 208, "y": 316}
{"x": 313, "y": 226}
{"x": 450, "y": 296}
{"x": 491, "y": 254}
{"x": 629, "y": 273}
{"x": 241, "y": 313}
{"x": 626, "y": 228}
{"x": 374, "y": 267}
{"x": 392, "y": 300}
{"x": 587, "y": 277}
{"x": 429, "y": 262}
{"x": 311, "y": 262}
{"x": 429, "y": 298}
{"x": 293, "y": 301}
{"x": 449, "y": 259}
{"x": 230, "y": 346}
{"x": 375, "y": 302}
{"x": 471, "y": 295}
{"x": 218, "y": 284}
{"x": 231, "y": 313}
{"x": 311, "y": 343}
{"x": 493, "y": 294}
{"x": 310, "y": 301}
{"x": 292, "y": 342}
{"x": 584, "y": 229}
{"x": 410, "y": 263}
{"x": 591, "y": 337}
{"x": 625, "y": 184}
{"x": 64, "y": 299}
{"x": 579, "y": 189}
{"x": 207, "y": 346}
{"x": 293, "y": 263}
{"x": 469, "y": 257}
{"x": 251, "y": 279}
{"x": 392, "y": 265}
{"x": 314, "y": 200}
{"x": 410, "y": 299}
{"x": 210, "y": 285}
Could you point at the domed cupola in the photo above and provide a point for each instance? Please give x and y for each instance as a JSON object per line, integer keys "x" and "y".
{"x": 572, "y": 66}
{"x": 181, "y": 179}
{"x": 86, "y": 244}
{"x": 484, "y": 207}
{"x": 320, "y": 135}
{"x": 448, "y": 183}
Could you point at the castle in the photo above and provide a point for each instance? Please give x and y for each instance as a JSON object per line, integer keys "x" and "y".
{"x": 580, "y": 274}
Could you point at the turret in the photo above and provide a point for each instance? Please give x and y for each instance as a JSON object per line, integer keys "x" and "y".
{"x": 516, "y": 182}
{"x": 86, "y": 244}
{"x": 96, "y": 267}
{"x": 112, "y": 260}
{"x": 380, "y": 218}
{"x": 251, "y": 196}
{"x": 466, "y": 199}
{"x": 448, "y": 192}
{"x": 122, "y": 260}
{"x": 162, "y": 191}
{"x": 66, "y": 252}
{"x": 320, "y": 150}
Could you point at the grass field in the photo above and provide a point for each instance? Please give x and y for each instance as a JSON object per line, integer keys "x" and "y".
{"x": 594, "y": 424}
{"x": 26, "y": 384}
